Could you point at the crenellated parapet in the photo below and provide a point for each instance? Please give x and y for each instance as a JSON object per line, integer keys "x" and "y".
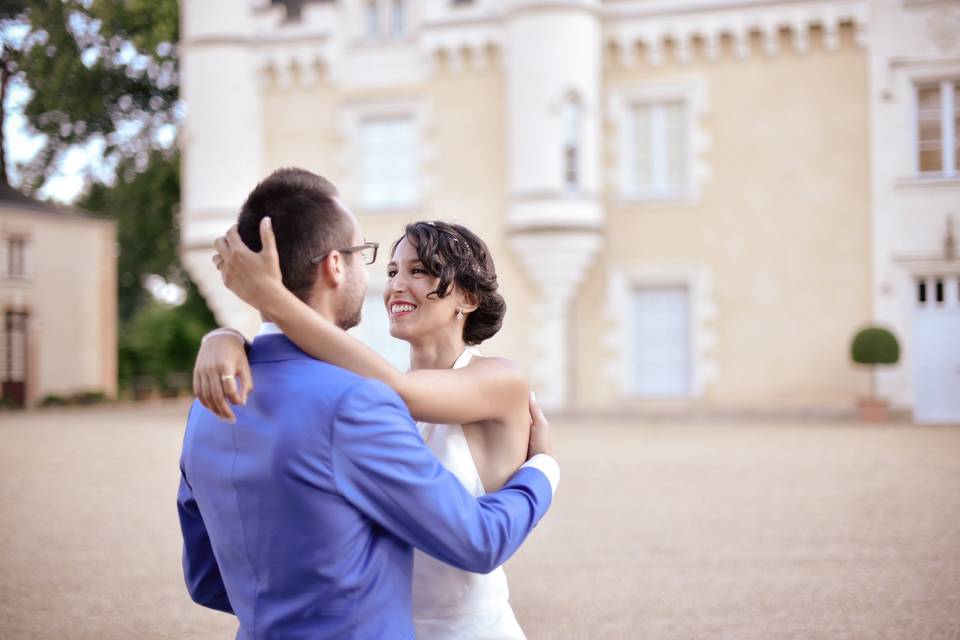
{"x": 285, "y": 65}
{"x": 707, "y": 29}
{"x": 459, "y": 47}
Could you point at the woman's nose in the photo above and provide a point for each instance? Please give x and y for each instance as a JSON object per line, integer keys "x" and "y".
{"x": 396, "y": 283}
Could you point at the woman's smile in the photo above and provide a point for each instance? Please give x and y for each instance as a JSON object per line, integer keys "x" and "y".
{"x": 401, "y": 308}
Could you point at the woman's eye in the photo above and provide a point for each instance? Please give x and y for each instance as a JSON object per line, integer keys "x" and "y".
{"x": 391, "y": 273}
{"x": 417, "y": 270}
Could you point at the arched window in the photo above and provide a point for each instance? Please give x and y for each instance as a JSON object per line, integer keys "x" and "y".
{"x": 572, "y": 117}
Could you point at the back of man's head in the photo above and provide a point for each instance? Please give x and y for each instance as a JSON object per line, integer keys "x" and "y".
{"x": 306, "y": 220}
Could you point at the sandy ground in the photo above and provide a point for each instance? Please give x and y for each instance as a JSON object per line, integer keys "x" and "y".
{"x": 659, "y": 531}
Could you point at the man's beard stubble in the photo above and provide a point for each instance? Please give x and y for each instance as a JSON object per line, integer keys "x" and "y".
{"x": 351, "y": 307}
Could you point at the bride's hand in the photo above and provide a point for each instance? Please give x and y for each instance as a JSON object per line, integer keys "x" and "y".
{"x": 539, "y": 430}
{"x": 253, "y": 276}
{"x": 222, "y": 373}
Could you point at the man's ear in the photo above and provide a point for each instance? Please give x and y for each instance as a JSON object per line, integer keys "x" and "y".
{"x": 333, "y": 269}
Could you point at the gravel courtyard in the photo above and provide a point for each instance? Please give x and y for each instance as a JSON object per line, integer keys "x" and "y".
{"x": 660, "y": 531}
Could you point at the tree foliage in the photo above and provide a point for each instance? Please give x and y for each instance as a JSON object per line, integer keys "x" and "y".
{"x": 101, "y": 73}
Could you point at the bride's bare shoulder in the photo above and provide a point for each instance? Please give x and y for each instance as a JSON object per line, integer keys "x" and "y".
{"x": 503, "y": 369}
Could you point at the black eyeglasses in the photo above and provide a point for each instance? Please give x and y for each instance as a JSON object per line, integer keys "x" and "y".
{"x": 367, "y": 251}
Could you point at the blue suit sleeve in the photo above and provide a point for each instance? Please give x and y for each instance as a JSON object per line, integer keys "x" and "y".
{"x": 382, "y": 466}
{"x": 200, "y": 569}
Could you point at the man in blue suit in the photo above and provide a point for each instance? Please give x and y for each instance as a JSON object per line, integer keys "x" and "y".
{"x": 301, "y": 517}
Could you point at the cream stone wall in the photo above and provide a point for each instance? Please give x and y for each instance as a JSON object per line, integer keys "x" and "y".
{"x": 776, "y": 239}
{"x": 464, "y": 169}
{"x": 781, "y": 227}
{"x": 71, "y": 297}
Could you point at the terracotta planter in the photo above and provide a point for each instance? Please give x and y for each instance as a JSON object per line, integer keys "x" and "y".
{"x": 874, "y": 410}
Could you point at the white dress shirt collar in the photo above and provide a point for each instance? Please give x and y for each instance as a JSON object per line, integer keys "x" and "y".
{"x": 269, "y": 328}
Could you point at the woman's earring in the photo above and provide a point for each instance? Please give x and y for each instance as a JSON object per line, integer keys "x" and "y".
{"x": 459, "y": 314}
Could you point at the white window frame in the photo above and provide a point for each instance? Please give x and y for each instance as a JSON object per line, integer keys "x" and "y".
{"x": 6, "y": 241}
{"x": 692, "y": 93}
{"x": 353, "y": 118}
{"x": 385, "y": 20}
{"x": 948, "y": 133}
{"x": 620, "y": 341}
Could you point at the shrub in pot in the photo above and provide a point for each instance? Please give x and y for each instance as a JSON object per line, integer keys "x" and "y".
{"x": 873, "y": 347}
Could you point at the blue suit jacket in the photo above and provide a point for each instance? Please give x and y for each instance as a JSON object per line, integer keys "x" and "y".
{"x": 301, "y": 517}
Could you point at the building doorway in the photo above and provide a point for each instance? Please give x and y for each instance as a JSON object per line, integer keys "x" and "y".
{"x": 14, "y": 364}
{"x": 936, "y": 342}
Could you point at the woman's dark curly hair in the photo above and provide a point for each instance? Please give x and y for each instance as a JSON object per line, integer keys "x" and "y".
{"x": 455, "y": 255}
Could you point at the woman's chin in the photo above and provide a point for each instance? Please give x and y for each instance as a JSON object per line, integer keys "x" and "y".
{"x": 398, "y": 331}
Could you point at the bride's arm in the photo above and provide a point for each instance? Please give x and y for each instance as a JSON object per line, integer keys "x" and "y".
{"x": 486, "y": 389}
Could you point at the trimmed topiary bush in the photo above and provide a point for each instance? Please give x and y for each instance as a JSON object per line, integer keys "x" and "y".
{"x": 873, "y": 346}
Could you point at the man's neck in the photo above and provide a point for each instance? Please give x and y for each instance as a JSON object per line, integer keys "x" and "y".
{"x": 322, "y": 305}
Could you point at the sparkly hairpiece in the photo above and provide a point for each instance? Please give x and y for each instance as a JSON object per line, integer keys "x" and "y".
{"x": 455, "y": 236}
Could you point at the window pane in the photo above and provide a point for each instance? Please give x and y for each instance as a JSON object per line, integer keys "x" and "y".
{"x": 398, "y": 17}
{"x": 929, "y": 131}
{"x": 373, "y": 19}
{"x": 956, "y": 125}
{"x": 661, "y": 146}
{"x": 642, "y": 143}
{"x": 389, "y": 162}
{"x": 676, "y": 144}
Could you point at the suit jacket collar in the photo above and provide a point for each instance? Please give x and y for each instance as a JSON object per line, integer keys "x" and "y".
{"x": 274, "y": 347}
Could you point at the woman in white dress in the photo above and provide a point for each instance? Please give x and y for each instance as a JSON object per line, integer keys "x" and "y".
{"x": 473, "y": 411}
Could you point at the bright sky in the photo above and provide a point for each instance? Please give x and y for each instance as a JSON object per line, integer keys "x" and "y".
{"x": 67, "y": 184}
{"x": 21, "y": 146}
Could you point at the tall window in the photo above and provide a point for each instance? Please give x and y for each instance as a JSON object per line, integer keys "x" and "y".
{"x": 397, "y": 18}
{"x": 572, "y": 119}
{"x": 659, "y": 149}
{"x": 389, "y": 162}
{"x": 938, "y": 123}
{"x": 371, "y": 19}
{"x": 16, "y": 256}
{"x": 384, "y": 18}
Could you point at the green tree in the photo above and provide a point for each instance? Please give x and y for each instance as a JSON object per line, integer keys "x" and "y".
{"x": 100, "y": 73}
{"x": 156, "y": 338}
{"x": 104, "y": 74}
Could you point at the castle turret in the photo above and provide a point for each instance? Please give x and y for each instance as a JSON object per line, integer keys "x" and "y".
{"x": 555, "y": 216}
{"x": 222, "y": 137}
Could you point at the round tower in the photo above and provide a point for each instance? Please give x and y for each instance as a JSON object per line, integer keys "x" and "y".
{"x": 222, "y": 138}
{"x": 553, "y": 72}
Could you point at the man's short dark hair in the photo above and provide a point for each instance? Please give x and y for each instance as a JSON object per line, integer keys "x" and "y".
{"x": 306, "y": 220}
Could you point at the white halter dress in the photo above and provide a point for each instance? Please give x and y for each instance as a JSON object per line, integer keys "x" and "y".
{"x": 448, "y": 603}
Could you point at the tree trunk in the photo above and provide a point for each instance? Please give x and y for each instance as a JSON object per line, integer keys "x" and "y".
{"x": 4, "y": 80}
